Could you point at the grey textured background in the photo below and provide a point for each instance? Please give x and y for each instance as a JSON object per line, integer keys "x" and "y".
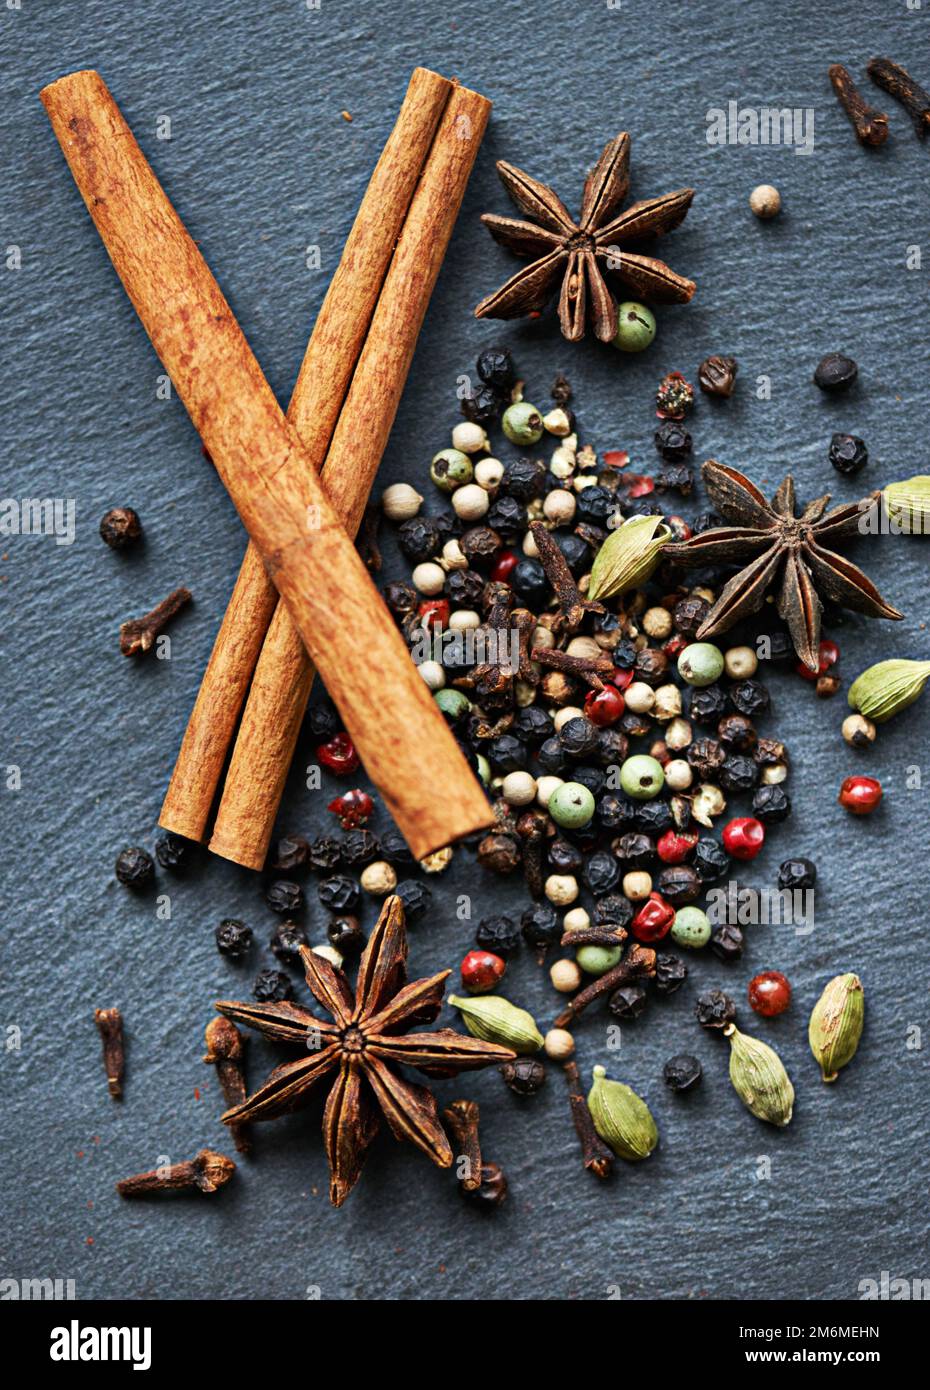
{"x": 260, "y": 164}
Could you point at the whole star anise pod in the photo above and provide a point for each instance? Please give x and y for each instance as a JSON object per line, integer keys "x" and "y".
{"x": 579, "y": 252}
{"x": 364, "y": 1045}
{"x": 781, "y": 546}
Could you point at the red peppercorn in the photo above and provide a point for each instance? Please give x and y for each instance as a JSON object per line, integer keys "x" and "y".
{"x": 434, "y": 612}
{"x": 605, "y": 706}
{"x": 829, "y": 656}
{"x": 743, "y": 837}
{"x": 621, "y": 679}
{"x": 769, "y": 993}
{"x": 481, "y": 971}
{"x": 503, "y": 566}
{"x": 860, "y": 795}
{"x": 653, "y": 920}
{"x": 353, "y": 808}
{"x": 338, "y": 754}
{"x": 675, "y": 845}
{"x": 675, "y": 646}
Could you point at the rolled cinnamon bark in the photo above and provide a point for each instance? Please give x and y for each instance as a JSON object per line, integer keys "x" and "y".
{"x": 391, "y": 718}
{"x": 277, "y": 700}
{"x": 337, "y": 339}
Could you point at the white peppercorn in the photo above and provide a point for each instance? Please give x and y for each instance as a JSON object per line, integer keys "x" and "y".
{"x": 740, "y": 663}
{"x": 576, "y": 919}
{"x": 433, "y": 674}
{"x": 464, "y": 620}
{"x": 453, "y": 557}
{"x": 545, "y": 786}
{"x": 565, "y": 976}
{"x": 559, "y": 506}
{"x": 400, "y": 502}
{"x": 566, "y": 713}
{"x": 637, "y": 885}
{"x": 519, "y": 788}
{"x": 678, "y": 734}
{"x": 658, "y": 623}
{"x": 469, "y": 438}
{"x": 558, "y": 1044}
{"x": 489, "y": 474}
{"x": 639, "y": 696}
{"x": 378, "y": 878}
{"x": 667, "y": 703}
{"x": 678, "y": 775}
{"x": 428, "y": 577}
{"x": 329, "y": 953}
{"x": 470, "y": 502}
{"x": 561, "y": 889}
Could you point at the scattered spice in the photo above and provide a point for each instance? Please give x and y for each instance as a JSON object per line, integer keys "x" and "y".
{"x": 765, "y": 201}
{"x": 207, "y": 1172}
{"x": 121, "y": 528}
{"x": 835, "y": 372}
{"x": 908, "y": 505}
{"x": 759, "y": 1077}
{"x": 860, "y": 795}
{"x": 870, "y": 125}
{"x": 110, "y": 1027}
{"x": 225, "y": 1049}
{"x": 885, "y": 689}
{"x": 524, "y": 1075}
{"x": 577, "y": 253}
{"x": 717, "y": 376}
{"x": 134, "y": 867}
{"x": 621, "y": 1118}
{"x": 893, "y": 79}
{"x": 461, "y": 1119}
{"x": 138, "y": 635}
{"x": 836, "y": 1024}
{"x": 595, "y": 1154}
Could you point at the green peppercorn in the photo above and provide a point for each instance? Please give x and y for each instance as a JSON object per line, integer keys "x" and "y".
{"x": 597, "y": 960}
{"x": 701, "y": 663}
{"x": 453, "y": 703}
{"x": 636, "y": 327}
{"x": 451, "y": 468}
{"x": 484, "y": 770}
{"x": 641, "y": 777}
{"x": 571, "y": 805}
{"x": 522, "y": 423}
{"x": 691, "y": 927}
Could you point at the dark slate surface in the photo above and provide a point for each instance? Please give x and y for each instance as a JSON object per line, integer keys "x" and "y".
{"x": 260, "y": 164}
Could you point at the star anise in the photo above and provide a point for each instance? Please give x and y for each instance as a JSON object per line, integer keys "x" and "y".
{"x": 579, "y": 252}
{"x": 780, "y": 544}
{"x": 364, "y": 1045}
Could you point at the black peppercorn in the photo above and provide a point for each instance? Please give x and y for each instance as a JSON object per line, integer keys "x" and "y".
{"x": 651, "y": 666}
{"x": 676, "y": 477}
{"x": 233, "y": 938}
{"x": 524, "y": 480}
{"x": 614, "y": 910}
{"x": 739, "y": 774}
{"x": 848, "y": 454}
{"x": 464, "y": 588}
{"x": 749, "y": 697}
{"x": 714, "y": 1009}
{"x": 634, "y": 851}
{"x": 706, "y": 756}
{"x": 507, "y": 754}
{"x": 613, "y": 811}
{"x": 682, "y": 1073}
{"x": 707, "y": 521}
{"x": 533, "y": 724}
{"x": 416, "y": 898}
{"x": 687, "y": 615}
{"x": 717, "y": 376}
{"x": 578, "y": 737}
{"x": 292, "y": 853}
{"x": 499, "y": 853}
{"x": 727, "y": 942}
{"x": 595, "y": 505}
{"x": 652, "y": 817}
{"x": 272, "y": 987}
{"x": 134, "y": 867}
{"x": 551, "y": 755}
{"x": 778, "y": 647}
{"x": 710, "y": 860}
{"x": 564, "y": 857}
{"x": 325, "y": 853}
{"x": 339, "y": 893}
{"x": 360, "y": 847}
{"x": 172, "y": 850}
{"x": 419, "y": 539}
{"x": 633, "y": 725}
{"x": 479, "y": 543}
{"x": 612, "y": 747}
{"x": 736, "y": 731}
{"x": 285, "y": 942}
{"x": 284, "y": 896}
{"x": 771, "y": 804}
{"x": 601, "y": 873}
{"x": 401, "y": 599}
{"x": 671, "y": 973}
{"x": 121, "y": 528}
{"x": 707, "y": 705}
{"x": 835, "y": 372}
{"x": 492, "y": 1191}
{"x": 629, "y": 1001}
{"x": 594, "y": 779}
{"x": 345, "y": 934}
{"x": 529, "y": 581}
{"x": 678, "y": 884}
{"x": 495, "y": 367}
{"x": 482, "y": 405}
{"x": 524, "y": 1075}
{"x": 540, "y": 925}
{"x": 395, "y": 850}
{"x": 673, "y": 441}
{"x": 770, "y": 751}
{"x": 508, "y": 517}
{"x": 797, "y": 873}
{"x": 498, "y": 934}
{"x": 624, "y": 654}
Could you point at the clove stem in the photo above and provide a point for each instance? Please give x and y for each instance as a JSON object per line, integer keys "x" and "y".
{"x": 870, "y": 125}
{"x": 893, "y": 79}
{"x": 225, "y": 1048}
{"x": 461, "y": 1118}
{"x": 595, "y": 1155}
{"x": 138, "y": 634}
{"x": 638, "y": 961}
{"x": 110, "y": 1027}
{"x": 206, "y": 1172}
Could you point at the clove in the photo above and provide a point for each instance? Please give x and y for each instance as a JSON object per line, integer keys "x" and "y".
{"x": 207, "y": 1172}
{"x": 572, "y": 605}
{"x": 532, "y": 828}
{"x": 595, "y": 1155}
{"x": 638, "y": 962}
{"x": 893, "y": 79}
{"x": 110, "y": 1027}
{"x": 589, "y": 668}
{"x": 139, "y": 634}
{"x": 607, "y": 935}
{"x": 461, "y": 1119}
{"x": 225, "y": 1048}
{"x": 870, "y": 125}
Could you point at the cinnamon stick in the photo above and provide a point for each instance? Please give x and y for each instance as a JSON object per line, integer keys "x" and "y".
{"x": 337, "y": 339}
{"x": 268, "y": 474}
{"x": 277, "y": 700}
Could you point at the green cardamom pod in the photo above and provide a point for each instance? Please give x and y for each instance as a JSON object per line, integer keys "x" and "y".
{"x": 836, "y": 1024}
{"x": 628, "y": 556}
{"x": 887, "y": 688}
{"x": 908, "y": 504}
{"x": 494, "y": 1019}
{"x": 759, "y": 1078}
{"x": 622, "y": 1119}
